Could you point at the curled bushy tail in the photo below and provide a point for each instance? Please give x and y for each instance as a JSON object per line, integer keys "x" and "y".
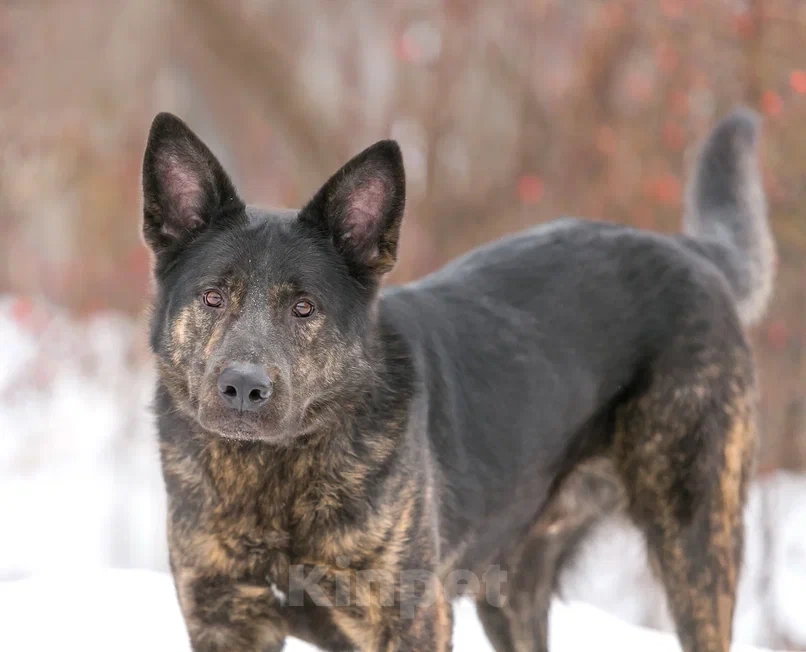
{"x": 726, "y": 212}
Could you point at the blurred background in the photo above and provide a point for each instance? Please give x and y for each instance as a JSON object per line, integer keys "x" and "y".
{"x": 508, "y": 113}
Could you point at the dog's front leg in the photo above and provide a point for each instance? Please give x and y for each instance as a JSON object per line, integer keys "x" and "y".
{"x": 222, "y": 615}
{"x": 419, "y": 618}
{"x": 422, "y": 620}
{"x": 429, "y": 629}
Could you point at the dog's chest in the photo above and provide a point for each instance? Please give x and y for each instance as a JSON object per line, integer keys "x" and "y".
{"x": 247, "y": 517}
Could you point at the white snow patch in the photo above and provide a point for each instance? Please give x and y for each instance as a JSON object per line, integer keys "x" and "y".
{"x": 128, "y": 610}
{"x": 788, "y": 559}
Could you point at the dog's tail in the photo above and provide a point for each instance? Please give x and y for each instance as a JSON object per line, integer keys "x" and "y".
{"x": 726, "y": 212}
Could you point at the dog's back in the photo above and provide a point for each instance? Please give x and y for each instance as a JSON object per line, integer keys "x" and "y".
{"x": 527, "y": 345}
{"x": 571, "y": 343}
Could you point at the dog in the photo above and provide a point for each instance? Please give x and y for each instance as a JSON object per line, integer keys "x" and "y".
{"x": 342, "y": 459}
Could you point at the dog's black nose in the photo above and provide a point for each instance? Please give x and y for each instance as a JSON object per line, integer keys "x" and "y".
{"x": 245, "y": 387}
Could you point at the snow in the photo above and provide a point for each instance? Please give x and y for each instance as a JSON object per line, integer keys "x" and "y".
{"x": 788, "y": 558}
{"x": 92, "y": 610}
{"x": 81, "y": 493}
{"x": 131, "y": 610}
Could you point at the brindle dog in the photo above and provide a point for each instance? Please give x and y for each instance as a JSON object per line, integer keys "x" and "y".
{"x": 334, "y": 453}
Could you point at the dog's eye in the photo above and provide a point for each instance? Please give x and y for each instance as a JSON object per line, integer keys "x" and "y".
{"x": 303, "y": 308}
{"x": 213, "y": 299}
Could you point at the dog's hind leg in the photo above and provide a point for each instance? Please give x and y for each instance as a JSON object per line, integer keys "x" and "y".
{"x": 684, "y": 448}
{"x": 518, "y": 621}
{"x": 590, "y": 492}
{"x": 496, "y": 624}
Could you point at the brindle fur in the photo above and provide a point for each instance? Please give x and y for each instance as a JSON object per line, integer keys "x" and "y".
{"x": 485, "y": 416}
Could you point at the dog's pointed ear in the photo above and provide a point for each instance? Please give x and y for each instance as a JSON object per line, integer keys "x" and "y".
{"x": 185, "y": 189}
{"x": 361, "y": 207}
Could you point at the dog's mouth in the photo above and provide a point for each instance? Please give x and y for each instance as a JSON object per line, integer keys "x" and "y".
{"x": 244, "y": 426}
{"x": 240, "y": 429}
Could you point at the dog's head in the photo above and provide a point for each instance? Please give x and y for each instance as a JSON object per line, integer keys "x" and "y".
{"x": 262, "y": 319}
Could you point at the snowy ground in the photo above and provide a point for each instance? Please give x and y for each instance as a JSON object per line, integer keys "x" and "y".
{"x": 136, "y": 610}
{"x": 80, "y": 492}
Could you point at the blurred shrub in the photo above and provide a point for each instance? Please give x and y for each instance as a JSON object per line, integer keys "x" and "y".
{"x": 508, "y": 113}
